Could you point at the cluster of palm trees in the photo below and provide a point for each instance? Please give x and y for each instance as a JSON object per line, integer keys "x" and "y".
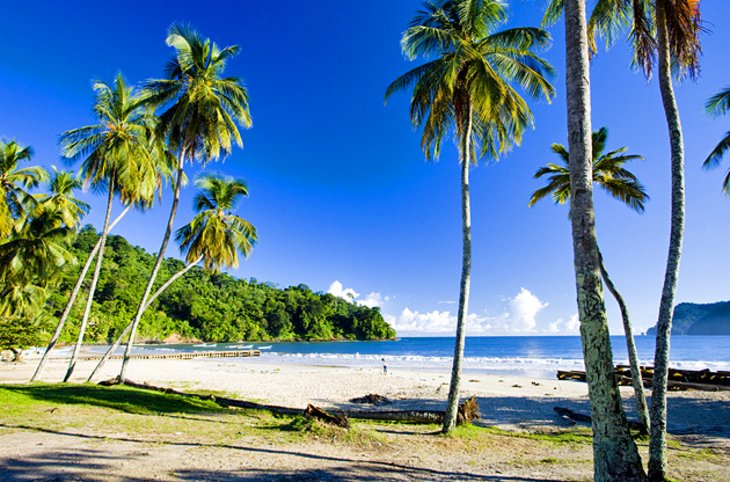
{"x": 141, "y": 141}
{"x": 466, "y": 88}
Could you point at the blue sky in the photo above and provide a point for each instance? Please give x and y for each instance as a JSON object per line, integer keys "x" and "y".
{"x": 340, "y": 192}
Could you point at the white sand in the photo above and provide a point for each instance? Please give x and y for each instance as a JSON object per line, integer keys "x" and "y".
{"x": 507, "y": 401}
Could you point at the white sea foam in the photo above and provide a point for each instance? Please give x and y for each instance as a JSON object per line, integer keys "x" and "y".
{"x": 520, "y": 364}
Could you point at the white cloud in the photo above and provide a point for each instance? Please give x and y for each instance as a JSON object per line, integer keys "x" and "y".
{"x": 519, "y": 316}
{"x": 523, "y": 309}
{"x": 340, "y": 291}
{"x": 372, "y": 300}
{"x": 572, "y": 325}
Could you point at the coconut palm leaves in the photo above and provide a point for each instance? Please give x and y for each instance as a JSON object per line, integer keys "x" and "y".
{"x": 14, "y": 183}
{"x": 474, "y": 70}
{"x": 201, "y": 110}
{"x": 72, "y": 209}
{"x": 202, "y": 107}
{"x": 468, "y": 86}
{"x": 609, "y": 174}
{"x": 215, "y": 234}
{"x": 719, "y": 104}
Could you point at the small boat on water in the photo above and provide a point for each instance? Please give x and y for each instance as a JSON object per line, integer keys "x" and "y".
{"x": 268, "y": 347}
{"x": 205, "y": 345}
{"x": 242, "y": 347}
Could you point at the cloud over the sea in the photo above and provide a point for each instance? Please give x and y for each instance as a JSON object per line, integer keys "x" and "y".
{"x": 371, "y": 300}
{"x": 519, "y": 315}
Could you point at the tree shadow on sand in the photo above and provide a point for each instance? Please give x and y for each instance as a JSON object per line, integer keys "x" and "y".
{"x": 89, "y": 464}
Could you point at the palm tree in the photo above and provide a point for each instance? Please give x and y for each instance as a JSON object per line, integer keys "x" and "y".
{"x": 468, "y": 87}
{"x": 31, "y": 258}
{"x": 63, "y": 184}
{"x": 615, "y": 456}
{"x": 717, "y": 105}
{"x": 199, "y": 122}
{"x": 612, "y": 177}
{"x": 14, "y": 182}
{"x": 215, "y": 236}
{"x": 117, "y": 156}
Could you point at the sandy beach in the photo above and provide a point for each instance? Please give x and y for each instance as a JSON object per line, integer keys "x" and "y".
{"x": 510, "y": 402}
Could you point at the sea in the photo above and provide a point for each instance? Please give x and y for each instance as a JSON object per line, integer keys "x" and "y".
{"x": 539, "y": 356}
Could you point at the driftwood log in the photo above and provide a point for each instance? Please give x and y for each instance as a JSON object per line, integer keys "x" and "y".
{"x": 704, "y": 380}
{"x": 315, "y": 412}
{"x": 468, "y": 411}
{"x": 372, "y": 399}
{"x": 408, "y": 416}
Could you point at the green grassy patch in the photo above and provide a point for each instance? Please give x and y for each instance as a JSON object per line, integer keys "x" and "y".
{"x": 121, "y": 398}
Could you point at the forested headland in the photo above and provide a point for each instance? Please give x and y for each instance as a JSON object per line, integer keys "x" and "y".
{"x": 204, "y": 305}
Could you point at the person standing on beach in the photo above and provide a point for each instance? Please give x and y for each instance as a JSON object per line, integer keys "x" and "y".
{"x": 385, "y": 367}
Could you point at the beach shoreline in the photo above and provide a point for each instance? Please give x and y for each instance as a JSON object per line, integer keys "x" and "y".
{"x": 512, "y": 402}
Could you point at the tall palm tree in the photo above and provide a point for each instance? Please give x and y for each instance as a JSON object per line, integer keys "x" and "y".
{"x": 666, "y": 33}
{"x": 14, "y": 182}
{"x": 609, "y": 174}
{"x": 201, "y": 109}
{"x": 215, "y": 236}
{"x": 468, "y": 86}
{"x": 117, "y": 157}
{"x": 615, "y": 456}
{"x": 719, "y": 104}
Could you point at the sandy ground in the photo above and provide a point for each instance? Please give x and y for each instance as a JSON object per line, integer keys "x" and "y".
{"x": 510, "y": 402}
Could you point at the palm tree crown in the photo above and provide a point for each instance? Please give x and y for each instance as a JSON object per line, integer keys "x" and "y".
{"x": 14, "y": 182}
{"x": 216, "y": 234}
{"x": 608, "y": 173}
{"x": 120, "y": 152}
{"x": 72, "y": 209}
{"x": 472, "y": 74}
{"x": 719, "y": 104}
{"x": 202, "y": 106}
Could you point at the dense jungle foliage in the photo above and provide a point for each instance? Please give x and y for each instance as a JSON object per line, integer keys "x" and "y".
{"x": 205, "y": 305}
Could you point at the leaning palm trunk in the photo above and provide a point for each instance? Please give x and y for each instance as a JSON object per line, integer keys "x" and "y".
{"x": 636, "y": 380}
{"x": 121, "y": 336}
{"x": 452, "y": 405}
{"x": 158, "y": 262}
{"x": 614, "y": 451}
{"x": 658, "y": 442}
{"x": 92, "y": 288}
{"x": 71, "y": 300}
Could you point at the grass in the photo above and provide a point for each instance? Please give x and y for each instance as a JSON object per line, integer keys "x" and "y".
{"x": 105, "y": 414}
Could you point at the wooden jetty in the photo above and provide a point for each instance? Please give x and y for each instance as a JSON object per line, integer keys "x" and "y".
{"x": 183, "y": 355}
{"x": 706, "y": 380}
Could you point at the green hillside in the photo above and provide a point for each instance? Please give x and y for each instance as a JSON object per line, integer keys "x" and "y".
{"x": 206, "y": 306}
{"x": 700, "y": 319}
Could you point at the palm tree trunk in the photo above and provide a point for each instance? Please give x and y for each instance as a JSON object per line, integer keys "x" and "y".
{"x": 158, "y": 262}
{"x": 157, "y": 293}
{"x": 452, "y": 406}
{"x": 658, "y": 434}
{"x": 636, "y": 380}
{"x": 71, "y": 300}
{"x": 615, "y": 457}
{"x": 94, "y": 281}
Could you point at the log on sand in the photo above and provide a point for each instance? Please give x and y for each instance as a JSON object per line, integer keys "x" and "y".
{"x": 468, "y": 410}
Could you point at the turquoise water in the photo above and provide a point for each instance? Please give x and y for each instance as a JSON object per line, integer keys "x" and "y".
{"x": 538, "y": 355}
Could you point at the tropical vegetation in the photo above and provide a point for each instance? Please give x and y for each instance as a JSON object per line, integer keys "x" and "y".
{"x": 719, "y": 104}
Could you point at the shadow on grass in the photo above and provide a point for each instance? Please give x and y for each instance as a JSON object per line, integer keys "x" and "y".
{"x": 120, "y": 398}
{"x": 89, "y": 464}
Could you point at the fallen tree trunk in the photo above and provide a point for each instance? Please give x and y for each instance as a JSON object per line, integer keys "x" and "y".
{"x": 315, "y": 412}
{"x": 409, "y": 416}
